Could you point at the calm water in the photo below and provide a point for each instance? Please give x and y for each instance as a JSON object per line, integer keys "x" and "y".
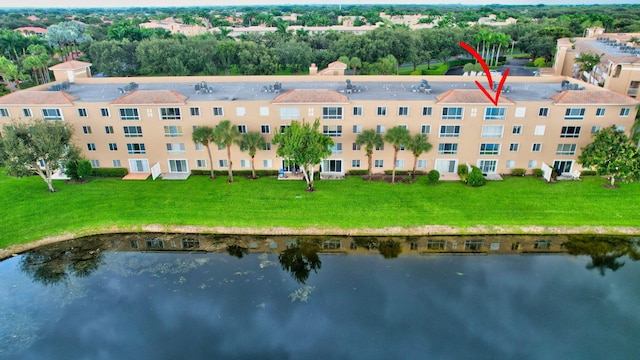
{"x": 186, "y": 305}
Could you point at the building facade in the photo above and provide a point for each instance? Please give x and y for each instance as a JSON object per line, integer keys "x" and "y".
{"x": 137, "y": 123}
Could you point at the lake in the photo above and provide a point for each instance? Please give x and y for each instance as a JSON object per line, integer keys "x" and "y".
{"x": 137, "y": 297}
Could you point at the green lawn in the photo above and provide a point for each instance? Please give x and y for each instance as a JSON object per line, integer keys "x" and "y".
{"x": 30, "y": 213}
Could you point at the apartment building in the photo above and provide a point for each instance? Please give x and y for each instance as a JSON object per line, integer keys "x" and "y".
{"x": 139, "y": 123}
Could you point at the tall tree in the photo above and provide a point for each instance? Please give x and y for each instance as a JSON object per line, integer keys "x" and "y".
{"x": 588, "y": 62}
{"x": 251, "y": 142}
{"x": 397, "y": 136}
{"x": 370, "y": 139}
{"x": 9, "y": 71}
{"x": 226, "y": 134}
{"x": 613, "y": 154}
{"x": 419, "y": 144}
{"x": 35, "y": 147}
{"x": 205, "y": 135}
{"x": 304, "y": 144}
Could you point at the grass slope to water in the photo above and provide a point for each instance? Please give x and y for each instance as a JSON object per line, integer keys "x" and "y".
{"x": 30, "y": 213}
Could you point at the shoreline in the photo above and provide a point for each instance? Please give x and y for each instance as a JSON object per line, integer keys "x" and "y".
{"x": 427, "y": 230}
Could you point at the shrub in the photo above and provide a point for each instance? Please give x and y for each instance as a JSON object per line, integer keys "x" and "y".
{"x": 433, "y": 176}
{"x": 537, "y": 172}
{"x": 358, "y": 172}
{"x": 518, "y": 172}
{"x": 588, "y": 173}
{"x": 110, "y": 172}
{"x": 246, "y": 173}
{"x": 475, "y": 177}
{"x": 463, "y": 173}
{"x": 398, "y": 172}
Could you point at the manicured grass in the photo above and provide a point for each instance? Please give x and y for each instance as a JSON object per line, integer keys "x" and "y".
{"x": 30, "y": 213}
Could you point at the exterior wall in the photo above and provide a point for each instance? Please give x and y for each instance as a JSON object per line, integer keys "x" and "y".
{"x": 620, "y": 78}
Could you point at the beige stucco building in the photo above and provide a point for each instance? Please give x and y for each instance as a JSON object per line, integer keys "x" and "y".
{"x": 137, "y": 126}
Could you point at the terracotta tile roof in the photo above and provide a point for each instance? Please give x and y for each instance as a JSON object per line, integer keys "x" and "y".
{"x": 337, "y": 65}
{"x": 38, "y": 98}
{"x": 70, "y": 65}
{"x": 592, "y": 97}
{"x": 306, "y": 96}
{"x": 158, "y": 97}
{"x": 31, "y": 29}
{"x": 470, "y": 96}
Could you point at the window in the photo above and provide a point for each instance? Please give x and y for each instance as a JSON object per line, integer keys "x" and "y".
{"x": 244, "y": 163}
{"x": 380, "y": 148}
{"x": 264, "y": 111}
{"x": 625, "y": 112}
{"x": 355, "y": 163}
{"x": 520, "y": 112}
{"x": 570, "y": 132}
{"x": 132, "y": 131}
{"x": 242, "y": 129}
{"x": 473, "y": 245}
{"x": 492, "y": 131}
{"x": 116, "y": 163}
{"x": 452, "y": 113}
{"x": 129, "y": 114}
{"x": 136, "y": 149}
{"x": 332, "y": 113}
{"x": 95, "y": 163}
{"x": 170, "y": 114}
{"x": 543, "y": 112}
{"x": 539, "y": 130}
{"x": 355, "y": 147}
{"x": 357, "y": 111}
{"x": 175, "y": 148}
{"x": 331, "y": 244}
{"x": 357, "y": 129}
{"x": 494, "y": 113}
{"x": 336, "y": 149}
{"x": 86, "y": 129}
{"x": 332, "y": 130}
{"x": 241, "y": 111}
{"x": 310, "y": 111}
{"x": 511, "y": 164}
{"x": 516, "y": 130}
{"x": 221, "y": 146}
{"x": 190, "y": 243}
{"x": 595, "y": 129}
{"x": 536, "y": 147}
{"x": 194, "y": 111}
{"x": 449, "y": 131}
{"x": 82, "y": 112}
{"x": 267, "y": 146}
{"x": 382, "y": 111}
{"x": 380, "y": 129}
{"x": 427, "y": 111}
{"x": 52, "y": 114}
{"x": 574, "y": 114}
{"x": 223, "y": 163}
{"x": 542, "y": 244}
{"x": 436, "y": 244}
{"x": 425, "y": 129}
{"x": 448, "y": 148}
{"x": 201, "y": 163}
{"x": 155, "y": 244}
{"x": 403, "y": 111}
{"x": 91, "y": 146}
{"x": 447, "y": 166}
{"x": 532, "y": 164}
{"x": 173, "y": 131}
{"x": 265, "y": 129}
{"x": 513, "y": 147}
{"x": 199, "y": 147}
{"x": 289, "y": 113}
{"x": 489, "y": 149}
{"x": 399, "y": 164}
{"x": 378, "y": 163}
{"x": 27, "y": 113}
{"x": 108, "y": 129}
{"x": 104, "y": 112}
{"x": 422, "y": 164}
{"x": 113, "y": 147}
{"x": 267, "y": 164}
{"x": 217, "y": 111}
{"x": 600, "y": 112}
{"x": 331, "y": 165}
{"x": 566, "y": 149}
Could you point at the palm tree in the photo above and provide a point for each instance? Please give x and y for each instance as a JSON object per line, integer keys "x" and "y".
{"x": 419, "y": 144}
{"x": 589, "y": 61}
{"x": 355, "y": 63}
{"x": 226, "y": 134}
{"x": 370, "y": 139}
{"x": 205, "y": 135}
{"x": 251, "y": 142}
{"x": 397, "y": 136}
{"x": 635, "y": 129}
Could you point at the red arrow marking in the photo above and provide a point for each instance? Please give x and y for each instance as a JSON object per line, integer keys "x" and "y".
{"x": 477, "y": 56}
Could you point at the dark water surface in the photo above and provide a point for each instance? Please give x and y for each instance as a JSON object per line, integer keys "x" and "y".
{"x": 191, "y": 305}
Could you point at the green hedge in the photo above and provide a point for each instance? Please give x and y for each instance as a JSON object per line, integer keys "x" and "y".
{"x": 235, "y": 172}
{"x": 518, "y": 172}
{"x": 588, "y": 173}
{"x": 537, "y": 172}
{"x": 358, "y": 172}
{"x": 110, "y": 172}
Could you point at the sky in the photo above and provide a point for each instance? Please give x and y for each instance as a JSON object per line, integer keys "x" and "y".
{"x": 166, "y": 3}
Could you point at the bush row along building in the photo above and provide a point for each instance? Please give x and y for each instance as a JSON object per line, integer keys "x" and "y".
{"x": 137, "y": 123}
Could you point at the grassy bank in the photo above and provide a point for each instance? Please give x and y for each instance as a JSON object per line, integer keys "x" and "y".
{"x": 30, "y": 213}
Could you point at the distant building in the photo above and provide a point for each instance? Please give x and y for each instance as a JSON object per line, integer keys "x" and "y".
{"x": 491, "y": 21}
{"x": 175, "y": 27}
{"x": 31, "y": 30}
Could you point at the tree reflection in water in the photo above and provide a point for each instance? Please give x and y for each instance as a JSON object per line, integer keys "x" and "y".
{"x": 300, "y": 258}
{"x": 604, "y": 251}
{"x": 237, "y": 251}
{"x": 55, "y": 263}
{"x": 388, "y": 248}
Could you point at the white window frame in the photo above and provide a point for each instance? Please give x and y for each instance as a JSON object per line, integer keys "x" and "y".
{"x": 492, "y": 131}
{"x": 357, "y": 111}
{"x": 127, "y": 131}
{"x": 289, "y": 113}
{"x": 176, "y": 148}
{"x": 489, "y": 149}
{"x": 332, "y": 113}
{"x": 382, "y": 111}
{"x": 495, "y": 113}
{"x": 56, "y": 116}
{"x": 564, "y": 132}
{"x": 265, "y": 129}
{"x": 566, "y": 149}
{"x": 454, "y": 134}
{"x": 173, "y": 131}
{"x": 170, "y": 113}
{"x": 403, "y": 111}
{"x": 452, "y": 113}
{"x": 447, "y": 148}
{"x": 133, "y": 116}
{"x": 574, "y": 113}
{"x": 217, "y": 111}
